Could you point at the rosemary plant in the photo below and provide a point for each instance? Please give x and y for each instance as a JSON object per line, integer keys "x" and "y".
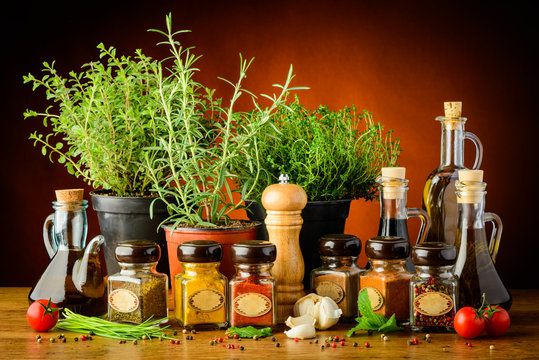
{"x": 198, "y": 139}
{"x": 102, "y": 119}
{"x": 333, "y": 155}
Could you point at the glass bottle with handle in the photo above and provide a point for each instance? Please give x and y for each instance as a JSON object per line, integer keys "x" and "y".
{"x": 475, "y": 259}
{"x": 439, "y": 199}
{"x": 393, "y": 211}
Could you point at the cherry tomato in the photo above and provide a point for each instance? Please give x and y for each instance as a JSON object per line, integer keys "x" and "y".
{"x": 468, "y": 323}
{"x": 498, "y": 321}
{"x": 42, "y": 315}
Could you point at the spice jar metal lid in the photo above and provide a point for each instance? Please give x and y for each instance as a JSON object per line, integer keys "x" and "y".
{"x": 387, "y": 248}
{"x": 253, "y": 252}
{"x": 200, "y": 251}
{"x": 137, "y": 252}
{"x": 434, "y": 254}
{"x": 339, "y": 245}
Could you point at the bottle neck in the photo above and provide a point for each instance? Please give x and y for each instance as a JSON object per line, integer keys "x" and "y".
{"x": 393, "y": 201}
{"x": 452, "y": 149}
{"x": 245, "y": 271}
{"x": 339, "y": 261}
{"x": 445, "y": 271}
{"x": 471, "y": 204}
{"x": 394, "y": 265}
{"x": 132, "y": 268}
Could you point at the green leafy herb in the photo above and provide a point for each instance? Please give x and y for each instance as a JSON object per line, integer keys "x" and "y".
{"x": 369, "y": 320}
{"x": 248, "y": 331}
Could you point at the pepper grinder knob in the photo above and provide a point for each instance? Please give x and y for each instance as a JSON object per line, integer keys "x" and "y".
{"x": 283, "y": 203}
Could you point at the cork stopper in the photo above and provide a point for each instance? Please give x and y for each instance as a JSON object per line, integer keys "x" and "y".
{"x": 453, "y": 109}
{"x": 394, "y": 172}
{"x": 471, "y": 175}
{"x": 470, "y": 187}
{"x": 70, "y": 195}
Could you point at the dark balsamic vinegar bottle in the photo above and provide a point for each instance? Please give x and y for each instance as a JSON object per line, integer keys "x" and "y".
{"x": 475, "y": 259}
{"x": 393, "y": 211}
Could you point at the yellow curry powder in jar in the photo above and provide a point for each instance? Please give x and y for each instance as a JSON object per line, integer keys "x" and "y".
{"x": 387, "y": 281}
{"x": 200, "y": 290}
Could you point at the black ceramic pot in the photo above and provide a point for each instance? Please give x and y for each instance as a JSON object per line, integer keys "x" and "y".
{"x": 128, "y": 218}
{"x": 319, "y": 218}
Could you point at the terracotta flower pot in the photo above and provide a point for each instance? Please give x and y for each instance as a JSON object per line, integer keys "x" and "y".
{"x": 224, "y": 236}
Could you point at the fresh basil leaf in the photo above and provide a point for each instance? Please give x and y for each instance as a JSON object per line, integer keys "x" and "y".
{"x": 248, "y": 331}
{"x": 365, "y": 308}
{"x": 390, "y": 325}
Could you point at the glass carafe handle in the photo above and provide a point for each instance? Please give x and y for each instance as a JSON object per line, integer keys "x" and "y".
{"x": 425, "y": 223}
{"x": 496, "y": 235}
{"x": 48, "y": 236}
{"x": 478, "y": 149}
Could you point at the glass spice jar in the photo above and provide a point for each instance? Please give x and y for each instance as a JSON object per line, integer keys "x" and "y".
{"x": 138, "y": 291}
{"x": 434, "y": 287}
{"x": 338, "y": 277}
{"x": 387, "y": 281}
{"x": 200, "y": 290}
{"x": 252, "y": 288}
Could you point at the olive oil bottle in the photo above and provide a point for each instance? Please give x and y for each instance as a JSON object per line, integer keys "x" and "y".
{"x": 439, "y": 199}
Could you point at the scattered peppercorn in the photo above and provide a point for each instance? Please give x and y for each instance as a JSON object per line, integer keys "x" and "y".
{"x": 63, "y": 339}
{"x": 39, "y": 340}
{"x": 369, "y": 332}
{"x": 242, "y": 348}
{"x": 135, "y": 342}
{"x": 177, "y": 342}
{"x": 296, "y": 339}
{"x": 38, "y": 337}
{"x": 429, "y": 340}
{"x": 336, "y": 338}
{"x": 89, "y": 338}
{"x": 410, "y": 342}
{"x": 354, "y": 344}
{"x": 385, "y": 338}
{"x": 171, "y": 341}
{"x": 212, "y": 342}
{"x": 466, "y": 343}
{"x": 83, "y": 337}
{"x": 491, "y": 347}
{"x": 144, "y": 337}
{"x": 469, "y": 344}
{"x": 193, "y": 331}
{"x": 184, "y": 331}
{"x": 76, "y": 339}
{"x": 342, "y": 342}
{"x": 367, "y": 344}
{"x": 91, "y": 333}
{"x": 322, "y": 347}
{"x": 334, "y": 345}
{"x": 316, "y": 341}
{"x": 277, "y": 345}
{"x": 52, "y": 340}
{"x": 255, "y": 337}
{"x": 273, "y": 338}
{"x": 220, "y": 340}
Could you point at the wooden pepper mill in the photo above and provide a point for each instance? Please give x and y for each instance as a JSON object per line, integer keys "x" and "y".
{"x": 283, "y": 203}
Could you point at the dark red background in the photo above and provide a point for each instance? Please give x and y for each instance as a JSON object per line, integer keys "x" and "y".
{"x": 399, "y": 59}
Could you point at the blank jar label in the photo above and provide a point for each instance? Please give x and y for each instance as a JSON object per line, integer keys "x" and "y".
{"x": 433, "y": 303}
{"x": 206, "y": 300}
{"x": 123, "y": 300}
{"x": 375, "y": 296}
{"x": 330, "y": 289}
{"x": 252, "y": 304}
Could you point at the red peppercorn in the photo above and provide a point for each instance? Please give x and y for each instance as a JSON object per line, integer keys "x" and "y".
{"x": 469, "y": 345}
{"x": 177, "y": 342}
{"x": 83, "y": 337}
{"x": 236, "y": 336}
{"x": 367, "y": 345}
{"x": 220, "y": 340}
{"x": 342, "y": 343}
{"x": 296, "y": 339}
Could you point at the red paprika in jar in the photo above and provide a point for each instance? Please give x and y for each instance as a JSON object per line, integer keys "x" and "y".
{"x": 252, "y": 289}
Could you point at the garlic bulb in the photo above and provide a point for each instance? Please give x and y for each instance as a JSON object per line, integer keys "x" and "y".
{"x": 303, "y": 331}
{"x": 322, "y": 308}
{"x": 300, "y": 320}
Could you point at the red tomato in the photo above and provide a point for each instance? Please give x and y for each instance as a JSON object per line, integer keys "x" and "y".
{"x": 498, "y": 321}
{"x": 468, "y": 323}
{"x": 42, "y": 315}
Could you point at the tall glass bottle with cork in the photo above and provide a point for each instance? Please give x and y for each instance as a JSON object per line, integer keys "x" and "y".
{"x": 439, "y": 198}
{"x": 475, "y": 259}
{"x": 393, "y": 211}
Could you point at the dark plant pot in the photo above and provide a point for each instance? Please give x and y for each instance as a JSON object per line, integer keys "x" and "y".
{"x": 128, "y": 218}
{"x": 319, "y": 218}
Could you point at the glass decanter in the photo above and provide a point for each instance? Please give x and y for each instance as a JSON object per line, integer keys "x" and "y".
{"x": 439, "y": 198}
{"x": 475, "y": 259}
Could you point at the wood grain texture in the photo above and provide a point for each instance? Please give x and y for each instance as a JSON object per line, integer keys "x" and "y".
{"x": 283, "y": 204}
{"x": 17, "y": 341}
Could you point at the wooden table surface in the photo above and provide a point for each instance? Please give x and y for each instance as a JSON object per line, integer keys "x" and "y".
{"x": 17, "y": 340}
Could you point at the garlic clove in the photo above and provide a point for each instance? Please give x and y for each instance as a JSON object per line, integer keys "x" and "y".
{"x": 306, "y": 305}
{"x": 303, "y": 331}
{"x": 328, "y": 313}
{"x": 300, "y": 320}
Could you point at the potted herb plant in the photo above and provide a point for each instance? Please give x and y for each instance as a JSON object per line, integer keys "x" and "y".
{"x": 335, "y": 155}
{"x": 102, "y": 125}
{"x": 197, "y": 140}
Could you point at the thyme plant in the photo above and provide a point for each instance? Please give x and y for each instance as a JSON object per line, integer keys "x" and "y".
{"x": 332, "y": 154}
{"x": 101, "y": 119}
{"x": 198, "y": 139}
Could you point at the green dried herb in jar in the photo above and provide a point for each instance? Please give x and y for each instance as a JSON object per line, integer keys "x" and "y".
{"x": 138, "y": 291}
